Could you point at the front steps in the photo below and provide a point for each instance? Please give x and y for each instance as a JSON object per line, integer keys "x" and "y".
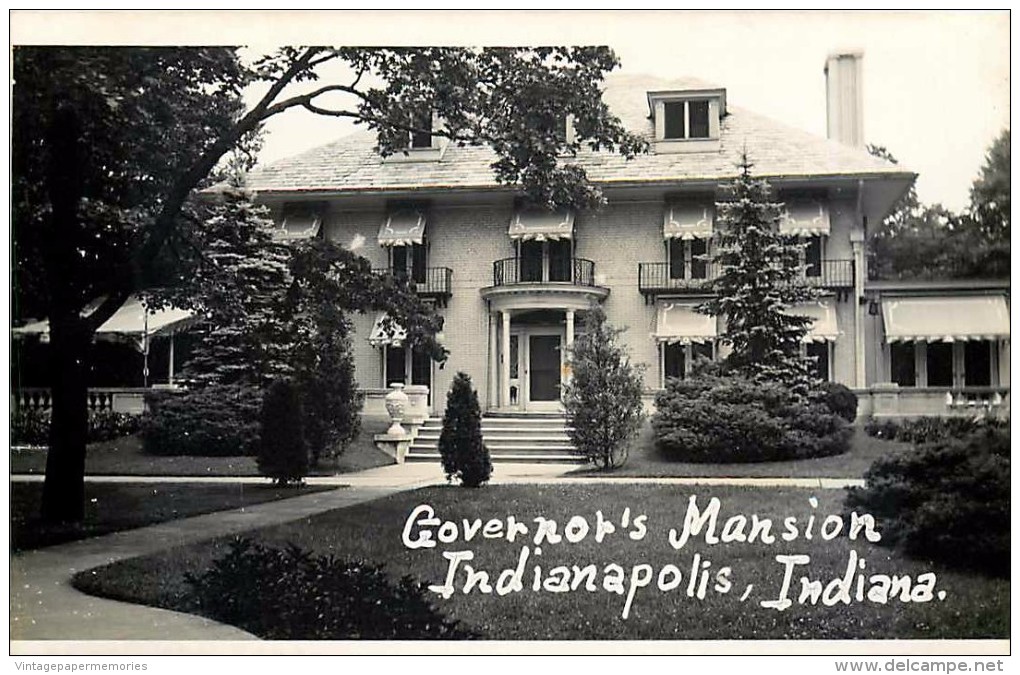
{"x": 510, "y": 437}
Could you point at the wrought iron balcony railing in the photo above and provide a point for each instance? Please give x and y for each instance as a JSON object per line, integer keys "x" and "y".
{"x": 575, "y": 271}
{"x": 436, "y": 282}
{"x": 663, "y": 277}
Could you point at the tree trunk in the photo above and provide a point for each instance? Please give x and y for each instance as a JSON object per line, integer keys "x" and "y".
{"x": 64, "y": 488}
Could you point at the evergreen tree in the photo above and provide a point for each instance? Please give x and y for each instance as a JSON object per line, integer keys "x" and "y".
{"x": 283, "y": 455}
{"x": 463, "y": 454}
{"x": 990, "y": 193}
{"x": 603, "y": 396}
{"x": 239, "y": 286}
{"x": 759, "y": 281}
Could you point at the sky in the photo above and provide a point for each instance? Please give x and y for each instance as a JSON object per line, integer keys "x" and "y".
{"x": 936, "y": 84}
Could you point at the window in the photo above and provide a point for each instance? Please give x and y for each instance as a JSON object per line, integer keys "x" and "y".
{"x": 685, "y": 119}
{"x": 676, "y": 119}
{"x": 550, "y": 260}
{"x": 688, "y": 258}
{"x": 395, "y": 365}
{"x": 407, "y": 366}
{"x": 409, "y": 260}
{"x": 819, "y": 353}
{"x": 939, "y": 363}
{"x": 813, "y": 256}
{"x": 679, "y": 359}
{"x": 422, "y": 137}
{"x": 902, "y": 366}
{"x": 697, "y": 114}
{"x": 977, "y": 363}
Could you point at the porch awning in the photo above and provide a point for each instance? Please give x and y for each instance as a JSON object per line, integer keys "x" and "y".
{"x": 824, "y": 327}
{"x": 402, "y": 228}
{"x": 805, "y": 218}
{"x": 680, "y": 323}
{"x": 130, "y": 321}
{"x": 946, "y": 319}
{"x": 298, "y": 226}
{"x": 386, "y": 331}
{"x": 687, "y": 221}
{"x": 541, "y": 225}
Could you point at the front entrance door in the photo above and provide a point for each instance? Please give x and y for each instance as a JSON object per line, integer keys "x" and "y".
{"x": 544, "y": 368}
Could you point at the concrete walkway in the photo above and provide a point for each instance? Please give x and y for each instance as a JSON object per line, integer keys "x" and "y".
{"x": 44, "y": 605}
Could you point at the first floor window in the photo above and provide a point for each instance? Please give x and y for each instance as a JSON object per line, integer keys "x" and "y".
{"x": 407, "y": 366}
{"x": 939, "y": 363}
{"x": 818, "y": 352}
{"x": 977, "y": 363}
{"x": 395, "y": 365}
{"x": 901, "y": 360}
{"x": 678, "y": 359}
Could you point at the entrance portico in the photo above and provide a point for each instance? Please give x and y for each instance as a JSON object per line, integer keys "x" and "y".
{"x": 530, "y": 335}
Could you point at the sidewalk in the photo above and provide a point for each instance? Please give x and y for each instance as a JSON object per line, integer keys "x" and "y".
{"x": 44, "y": 605}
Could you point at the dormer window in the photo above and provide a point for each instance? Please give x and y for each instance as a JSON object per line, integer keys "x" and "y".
{"x": 687, "y": 121}
{"x": 422, "y": 145}
{"x": 422, "y": 137}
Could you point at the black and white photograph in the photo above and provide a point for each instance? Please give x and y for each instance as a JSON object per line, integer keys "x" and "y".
{"x": 506, "y": 332}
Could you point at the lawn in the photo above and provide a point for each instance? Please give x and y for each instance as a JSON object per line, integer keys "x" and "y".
{"x": 973, "y": 606}
{"x": 646, "y": 460}
{"x": 111, "y": 507}
{"x": 124, "y": 457}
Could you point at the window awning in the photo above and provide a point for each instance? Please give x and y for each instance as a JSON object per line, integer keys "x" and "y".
{"x": 947, "y": 319}
{"x": 805, "y": 218}
{"x": 402, "y": 228}
{"x": 680, "y": 323}
{"x": 541, "y": 225}
{"x": 687, "y": 221}
{"x": 386, "y": 331}
{"x": 298, "y": 226}
{"x": 824, "y": 327}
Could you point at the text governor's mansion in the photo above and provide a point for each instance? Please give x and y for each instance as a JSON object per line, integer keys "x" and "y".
{"x": 513, "y": 285}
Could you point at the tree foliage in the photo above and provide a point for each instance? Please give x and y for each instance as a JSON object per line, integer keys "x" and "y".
{"x": 283, "y": 455}
{"x": 109, "y": 145}
{"x": 759, "y": 280}
{"x": 929, "y": 241}
{"x": 461, "y": 449}
{"x": 603, "y": 396}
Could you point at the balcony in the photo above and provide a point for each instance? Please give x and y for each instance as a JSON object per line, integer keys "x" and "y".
{"x": 656, "y": 278}
{"x": 432, "y": 282}
{"x": 573, "y": 271}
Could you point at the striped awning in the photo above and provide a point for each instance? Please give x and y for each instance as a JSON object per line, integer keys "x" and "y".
{"x": 386, "y": 331}
{"x": 131, "y": 320}
{"x": 528, "y": 224}
{"x": 298, "y": 226}
{"x": 677, "y": 322}
{"x": 946, "y": 319}
{"x": 687, "y": 221}
{"x": 402, "y": 228}
{"x": 824, "y": 326}
{"x": 805, "y": 218}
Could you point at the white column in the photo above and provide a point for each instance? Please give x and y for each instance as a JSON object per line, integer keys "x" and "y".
{"x": 170, "y": 368}
{"x": 504, "y": 369}
{"x": 493, "y": 375}
{"x": 570, "y": 328}
{"x": 860, "y": 369}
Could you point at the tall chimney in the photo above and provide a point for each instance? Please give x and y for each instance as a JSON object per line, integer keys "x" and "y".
{"x": 844, "y": 98}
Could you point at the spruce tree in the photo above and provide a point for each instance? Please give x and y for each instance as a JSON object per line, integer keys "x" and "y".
{"x": 463, "y": 454}
{"x": 603, "y": 397}
{"x": 759, "y": 279}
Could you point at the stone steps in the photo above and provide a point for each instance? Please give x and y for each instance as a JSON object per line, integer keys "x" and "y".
{"x": 509, "y": 437}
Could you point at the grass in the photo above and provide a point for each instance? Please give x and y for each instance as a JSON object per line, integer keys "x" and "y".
{"x": 974, "y": 607}
{"x": 125, "y": 457}
{"x": 111, "y": 507}
{"x": 646, "y": 460}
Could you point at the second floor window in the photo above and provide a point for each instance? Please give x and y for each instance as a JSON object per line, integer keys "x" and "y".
{"x": 813, "y": 256}
{"x": 545, "y": 260}
{"x": 409, "y": 261}
{"x": 688, "y": 258}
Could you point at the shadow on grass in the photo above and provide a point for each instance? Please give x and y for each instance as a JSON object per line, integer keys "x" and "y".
{"x": 111, "y": 507}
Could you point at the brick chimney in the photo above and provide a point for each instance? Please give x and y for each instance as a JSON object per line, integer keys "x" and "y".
{"x": 844, "y": 98}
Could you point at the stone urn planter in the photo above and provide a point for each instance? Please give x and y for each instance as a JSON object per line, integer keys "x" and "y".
{"x": 396, "y": 406}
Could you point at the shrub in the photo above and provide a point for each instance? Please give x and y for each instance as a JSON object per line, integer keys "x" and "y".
{"x": 217, "y": 421}
{"x": 931, "y": 429}
{"x": 946, "y": 501}
{"x": 841, "y": 400}
{"x": 290, "y": 594}
{"x": 603, "y": 397}
{"x": 463, "y": 454}
{"x": 283, "y": 453}
{"x": 710, "y": 418}
{"x": 31, "y": 426}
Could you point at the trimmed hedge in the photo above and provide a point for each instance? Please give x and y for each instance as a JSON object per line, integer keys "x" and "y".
{"x": 32, "y": 426}
{"x": 215, "y": 421}
{"x": 841, "y": 400}
{"x": 708, "y": 418}
{"x": 947, "y": 501}
{"x": 930, "y": 429}
{"x": 291, "y": 594}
